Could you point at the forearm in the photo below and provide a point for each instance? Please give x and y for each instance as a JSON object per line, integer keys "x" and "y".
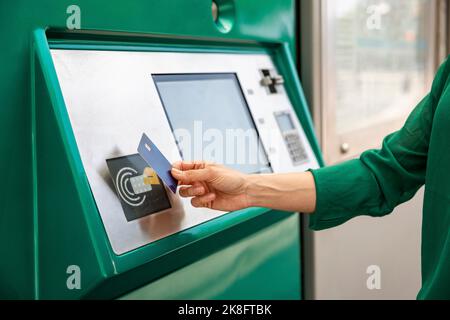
{"x": 289, "y": 192}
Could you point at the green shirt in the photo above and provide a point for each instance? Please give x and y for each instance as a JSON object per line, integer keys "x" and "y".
{"x": 380, "y": 180}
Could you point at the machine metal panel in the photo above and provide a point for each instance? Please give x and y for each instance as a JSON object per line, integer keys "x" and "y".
{"x": 111, "y": 100}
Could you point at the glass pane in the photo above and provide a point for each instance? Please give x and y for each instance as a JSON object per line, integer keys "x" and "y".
{"x": 379, "y": 51}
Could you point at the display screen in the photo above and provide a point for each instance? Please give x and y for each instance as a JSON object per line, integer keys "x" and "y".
{"x": 211, "y": 120}
{"x": 285, "y": 122}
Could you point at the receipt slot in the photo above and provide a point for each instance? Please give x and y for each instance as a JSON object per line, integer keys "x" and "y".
{"x": 100, "y": 214}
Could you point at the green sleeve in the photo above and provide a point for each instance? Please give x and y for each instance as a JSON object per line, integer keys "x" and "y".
{"x": 381, "y": 179}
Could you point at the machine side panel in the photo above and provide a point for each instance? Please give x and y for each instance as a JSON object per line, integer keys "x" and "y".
{"x": 236, "y": 272}
{"x": 67, "y": 256}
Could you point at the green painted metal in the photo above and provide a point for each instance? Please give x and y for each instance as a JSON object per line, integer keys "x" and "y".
{"x": 237, "y": 270}
{"x": 48, "y": 217}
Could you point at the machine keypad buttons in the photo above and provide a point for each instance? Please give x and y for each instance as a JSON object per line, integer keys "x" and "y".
{"x": 295, "y": 147}
{"x": 291, "y": 137}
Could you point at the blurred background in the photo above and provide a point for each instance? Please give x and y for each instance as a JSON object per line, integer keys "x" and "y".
{"x": 365, "y": 64}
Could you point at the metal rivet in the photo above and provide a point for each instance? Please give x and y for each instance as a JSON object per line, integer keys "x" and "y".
{"x": 345, "y": 147}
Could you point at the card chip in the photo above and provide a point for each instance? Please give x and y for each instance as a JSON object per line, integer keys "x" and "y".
{"x": 139, "y": 186}
{"x": 150, "y": 176}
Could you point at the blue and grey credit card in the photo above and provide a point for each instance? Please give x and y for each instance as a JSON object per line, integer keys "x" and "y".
{"x": 155, "y": 159}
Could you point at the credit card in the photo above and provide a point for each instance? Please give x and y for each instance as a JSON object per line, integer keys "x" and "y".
{"x": 155, "y": 159}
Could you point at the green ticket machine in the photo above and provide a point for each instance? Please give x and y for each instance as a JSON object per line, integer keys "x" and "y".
{"x": 83, "y": 216}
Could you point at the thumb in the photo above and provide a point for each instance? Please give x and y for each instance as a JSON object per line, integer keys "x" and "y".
{"x": 191, "y": 176}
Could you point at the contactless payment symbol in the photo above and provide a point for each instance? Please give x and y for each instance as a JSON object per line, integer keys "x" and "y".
{"x": 132, "y": 197}
{"x": 138, "y": 187}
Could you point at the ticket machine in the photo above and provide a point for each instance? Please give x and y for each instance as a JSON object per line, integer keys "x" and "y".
{"x": 105, "y": 224}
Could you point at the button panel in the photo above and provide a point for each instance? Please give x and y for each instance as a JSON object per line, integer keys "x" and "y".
{"x": 295, "y": 147}
{"x": 291, "y": 137}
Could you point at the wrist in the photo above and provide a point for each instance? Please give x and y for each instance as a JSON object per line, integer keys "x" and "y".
{"x": 289, "y": 192}
{"x": 253, "y": 190}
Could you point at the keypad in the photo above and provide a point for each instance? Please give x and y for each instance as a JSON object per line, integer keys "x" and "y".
{"x": 295, "y": 147}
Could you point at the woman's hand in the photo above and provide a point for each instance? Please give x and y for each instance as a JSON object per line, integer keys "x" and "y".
{"x": 217, "y": 187}
{"x": 212, "y": 185}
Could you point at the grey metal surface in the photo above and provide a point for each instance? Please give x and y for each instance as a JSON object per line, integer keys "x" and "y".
{"x": 111, "y": 100}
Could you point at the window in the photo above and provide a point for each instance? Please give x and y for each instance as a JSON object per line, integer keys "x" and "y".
{"x": 377, "y": 61}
